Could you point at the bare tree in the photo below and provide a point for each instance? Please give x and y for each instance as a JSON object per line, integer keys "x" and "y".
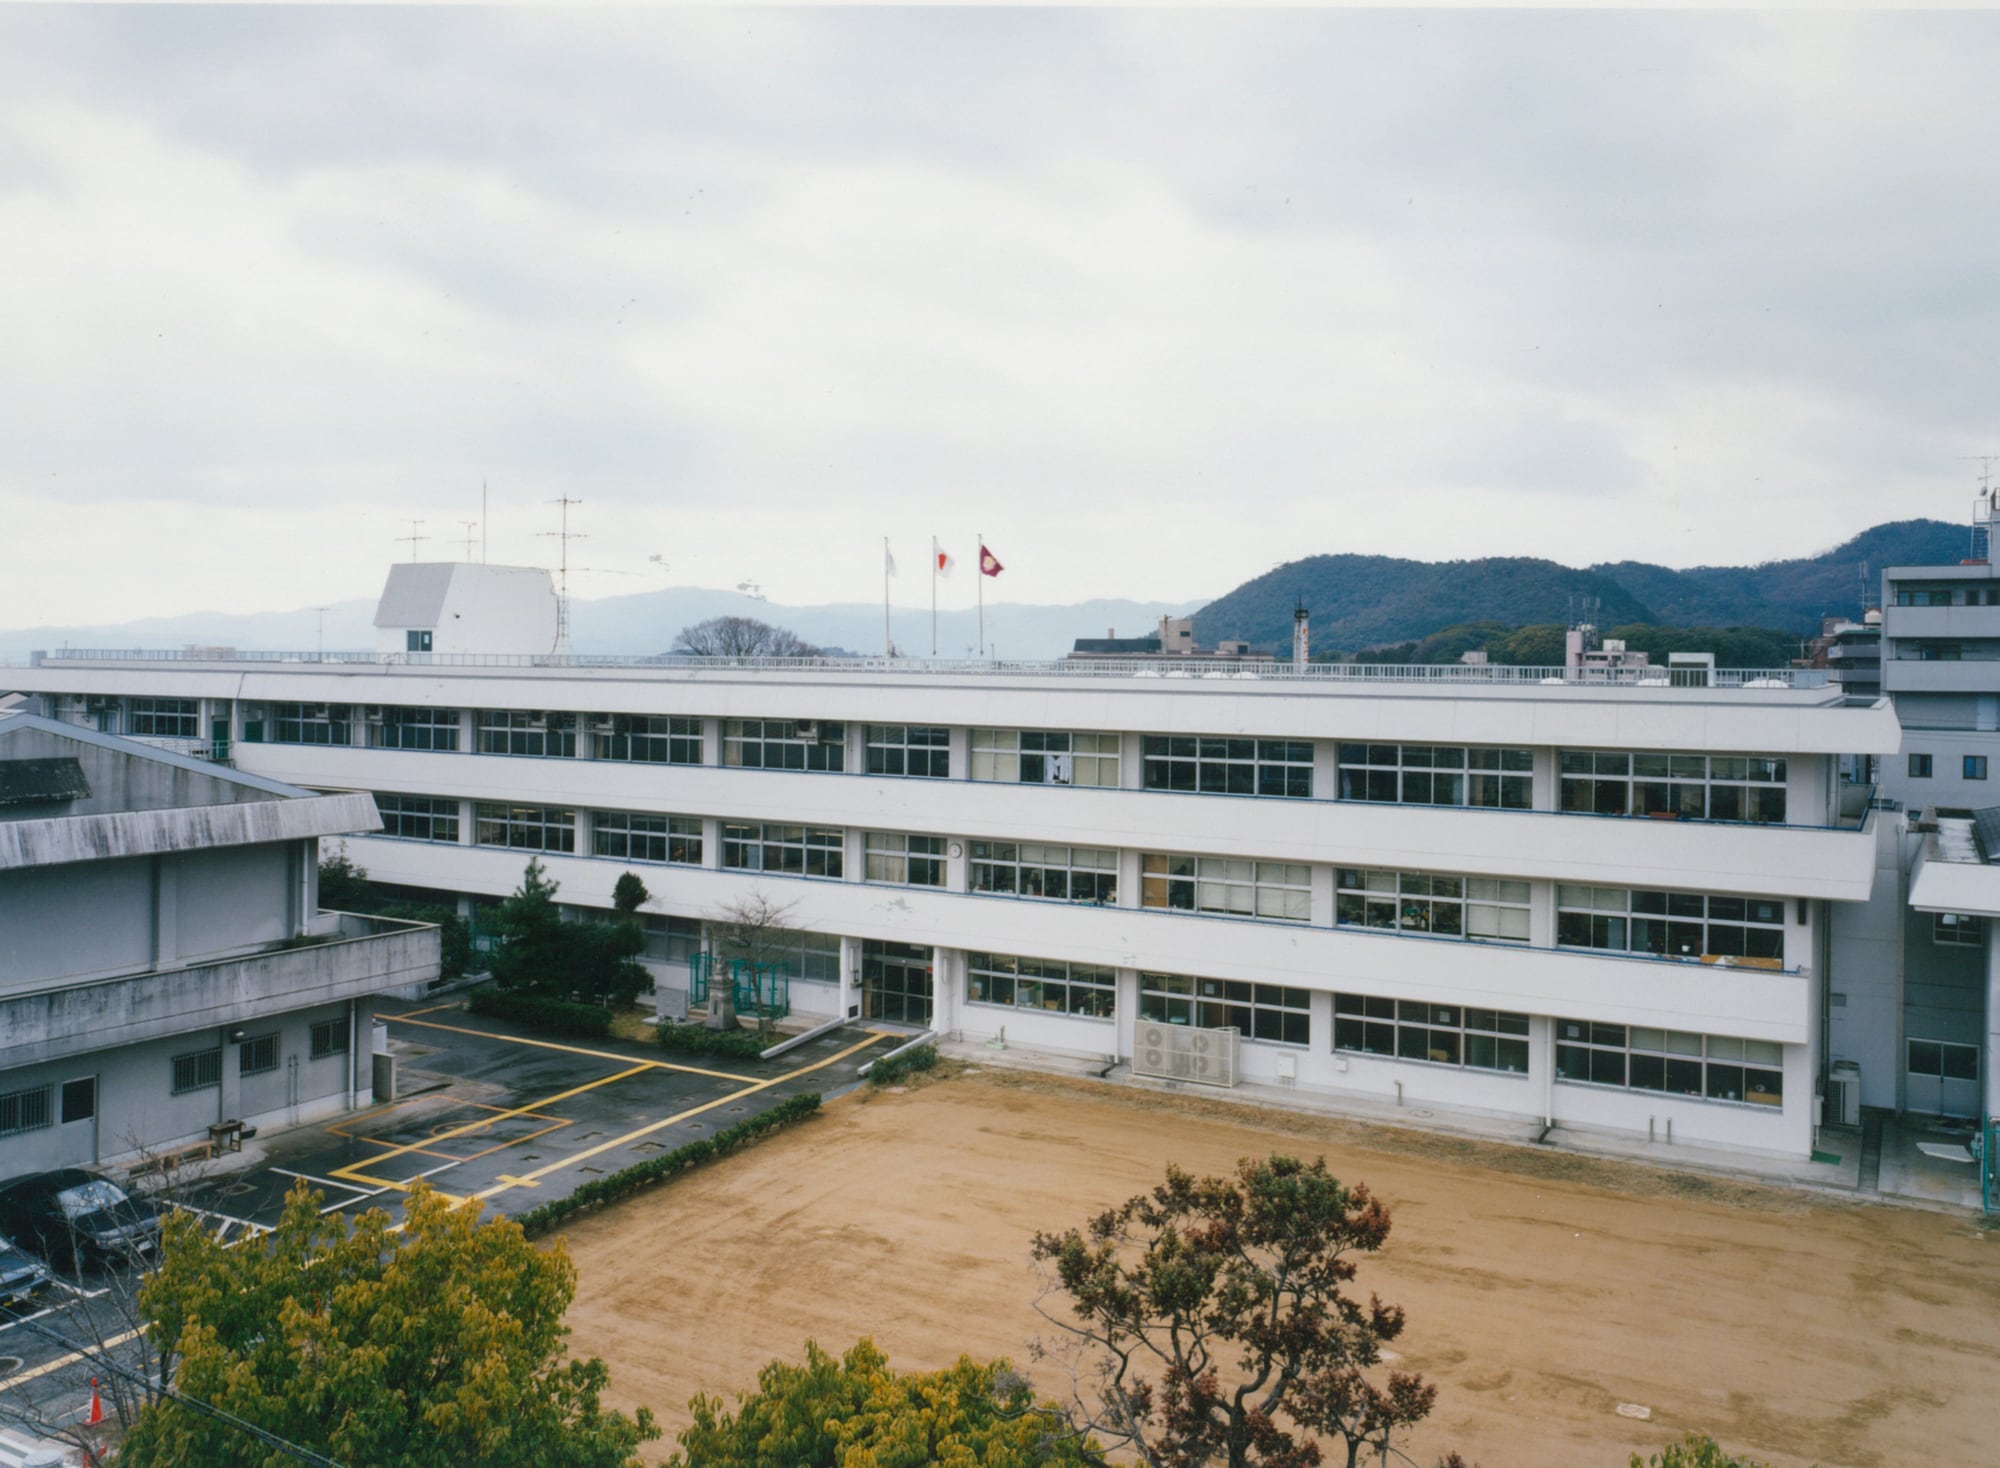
{"x": 742, "y": 637}
{"x": 756, "y": 929}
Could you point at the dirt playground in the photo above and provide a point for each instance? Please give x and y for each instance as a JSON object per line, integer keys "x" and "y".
{"x": 1543, "y": 1289}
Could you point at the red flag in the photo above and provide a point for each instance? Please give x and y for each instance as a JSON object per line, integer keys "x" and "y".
{"x": 989, "y": 564}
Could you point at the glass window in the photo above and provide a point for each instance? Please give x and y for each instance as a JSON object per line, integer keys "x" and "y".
{"x": 1438, "y": 1034}
{"x": 1957, "y": 929}
{"x": 413, "y": 728}
{"x": 798, "y": 851}
{"x": 909, "y": 861}
{"x": 1045, "y": 757}
{"x": 1428, "y": 774}
{"x": 1040, "y": 983}
{"x": 329, "y": 1037}
{"x": 1920, "y": 767}
{"x": 1057, "y": 873}
{"x": 1204, "y": 765}
{"x": 1686, "y": 925}
{"x": 257, "y": 1055}
{"x": 312, "y": 723}
{"x": 909, "y": 749}
{"x": 525, "y": 827}
{"x": 165, "y": 718}
{"x": 26, "y": 1111}
{"x": 416, "y": 641}
{"x": 514, "y": 731}
{"x": 1676, "y": 1062}
{"x": 669, "y": 939}
{"x": 636, "y": 836}
{"x": 1257, "y": 1011}
{"x": 784, "y": 744}
{"x": 647, "y": 738}
{"x": 1226, "y": 886}
{"x": 418, "y": 817}
{"x": 1677, "y": 786}
{"x": 1975, "y": 767}
{"x": 198, "y": 1071}
{"x": 1443, "y": 906}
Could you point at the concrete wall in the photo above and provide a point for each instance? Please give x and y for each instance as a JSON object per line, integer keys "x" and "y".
{"x": 119, "y": 781}
{"x": 136, "y": 1110}
{"x": 1864, "y": 1002}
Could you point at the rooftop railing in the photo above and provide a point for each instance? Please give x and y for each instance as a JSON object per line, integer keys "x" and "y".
{"x": 1461, "y": 674}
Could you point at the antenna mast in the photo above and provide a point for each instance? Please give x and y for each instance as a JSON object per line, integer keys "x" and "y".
{"x": 413, "y": 537}
{"x": 565, "y": 535}
{"x": 470, "y": 526}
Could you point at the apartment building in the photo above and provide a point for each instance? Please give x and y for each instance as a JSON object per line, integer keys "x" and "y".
{"x": 164, "y": 967}
{"x": 1603, "y": 904}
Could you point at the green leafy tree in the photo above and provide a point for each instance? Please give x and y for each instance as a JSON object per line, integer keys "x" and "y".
{"x": 539, "y": 953}
{"x": 1696, "y": 1450}
{"x": 1208, "y": 1321}
{"x": 430, "y": 1346}
{"x": 628, "y": 895}
{"x": 343, "y": 885}
{"x": 857, "y": 1413}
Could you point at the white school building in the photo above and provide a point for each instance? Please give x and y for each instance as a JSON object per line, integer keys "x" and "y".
{"x": 1599, "y": 900}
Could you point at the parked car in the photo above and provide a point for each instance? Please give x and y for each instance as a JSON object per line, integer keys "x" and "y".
{"x": 71, "y": 1217}
{"x": 22, "y": 1276}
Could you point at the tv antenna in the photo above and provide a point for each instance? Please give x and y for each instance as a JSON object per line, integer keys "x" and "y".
{"x": 320, "y": 655}
{"x": 470, "y": 526}
{"x": 1985, "y": 463}
{"x": 413, "y": 537}
{"x": 565, "y": 535}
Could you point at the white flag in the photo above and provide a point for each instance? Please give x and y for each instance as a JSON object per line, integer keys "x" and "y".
{"x": 941, "y": 559}
{"x": 888, "y": 561}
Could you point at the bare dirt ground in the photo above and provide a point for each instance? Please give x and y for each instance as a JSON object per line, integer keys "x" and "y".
{"x": 1542, "y": 1289}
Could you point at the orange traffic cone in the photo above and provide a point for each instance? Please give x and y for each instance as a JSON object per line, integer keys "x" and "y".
{"x": 96, "y": 1406}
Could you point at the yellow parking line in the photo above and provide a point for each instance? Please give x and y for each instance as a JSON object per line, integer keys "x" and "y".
{"x": 413, "y": 1013}
{"x": 693, "y": 1070}
{"x": 24, "y": 1377}
{"x": 632, "y": 1136}
{"x": 486, "y": 1121}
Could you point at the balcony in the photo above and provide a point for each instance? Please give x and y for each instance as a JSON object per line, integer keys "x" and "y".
{"x": 353, "y": 957}
{"x": 1915, "y": 675}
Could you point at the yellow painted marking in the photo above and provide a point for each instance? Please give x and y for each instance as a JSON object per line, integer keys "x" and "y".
{"x": 413, "y": 1013}
{"x": 347, "y": 1173}
{"x": 519, "y": 1182}
{"x": 24, "y": 1377}
{"x": 693, "y": 1070}
{"x": 632, "y": 1136}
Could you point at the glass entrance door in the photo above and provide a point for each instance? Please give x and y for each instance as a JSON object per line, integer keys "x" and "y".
{"x": 896, "y": 982}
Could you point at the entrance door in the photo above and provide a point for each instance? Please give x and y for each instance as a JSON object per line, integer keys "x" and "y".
{"x": 896, "y": 982}
{"x": 1943, "y": 1078}
{"x": 79, "y": 1119}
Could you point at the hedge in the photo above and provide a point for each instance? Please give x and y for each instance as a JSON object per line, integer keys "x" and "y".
{"x": 699, "y": 1040}
{"x": 642, "y": 1175}
{"x": 557, "y": 1016}
{"x": 887, "y": 1072}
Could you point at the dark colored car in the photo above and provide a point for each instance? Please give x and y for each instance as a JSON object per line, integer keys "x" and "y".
{"x": 72, "y": 1217}
{"x": 22, "y": 1277}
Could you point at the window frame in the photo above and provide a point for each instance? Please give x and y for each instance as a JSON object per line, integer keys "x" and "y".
{"x": 776, "y": 744}
{"x": 326, "y": 1039}
{"x": 1081, "y": 990}
{"x": 1958, "y": 930}
{"x": 820, "y": 850}
{"x": 649, "y": 739}
{"x": 433, "y": 818}
{"x": 1590, "y": 909}
{"x": 1213, "y": 1004}
{"x": 1920, "y": 766}
{"x": 553, "y": 827}
{"x": 1173, "y": 881}
{"x": 152, "y": 718}
{"x": 1417, "y": 903}
{"x": 907, "y": 751}
{"x": 416, "y": 727}
{"x": 197, "y": 1070}
{"x": 249, "y": 1048}
{"x": 1502, "y": 777}
{"x": 330, "y": 725}
{"x": 1370, "y": 1024}
{"x": 1053, "y": 872}
{"x": 1207, "y": 764}
{"x": 903, "y": 859}
{"x": 1073, "y": 757}
{"x": 1972, "y": 767}
{"x": 649, "y": 836}
{"x": 1675, "y": 1058}
{"x": 1740, "y": 789}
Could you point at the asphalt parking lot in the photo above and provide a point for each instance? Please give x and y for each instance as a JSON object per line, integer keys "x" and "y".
{"x": 486, "y": 1110}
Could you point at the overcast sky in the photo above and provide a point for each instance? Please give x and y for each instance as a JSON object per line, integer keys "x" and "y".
{"x": 1155, "y": 299}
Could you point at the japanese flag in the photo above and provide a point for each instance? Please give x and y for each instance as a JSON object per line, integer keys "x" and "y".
{"x": 942, "y": 559}
{"x": 989, "y": 564}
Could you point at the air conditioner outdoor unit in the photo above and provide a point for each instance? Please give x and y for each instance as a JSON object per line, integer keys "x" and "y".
{"x": 807, "y": 729}
{"x": 377, "y": 714}
{"x": 604, "y": 726}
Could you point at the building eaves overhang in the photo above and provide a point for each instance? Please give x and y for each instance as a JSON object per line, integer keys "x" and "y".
{"x": 68, "y": 839}
{"x": 11, "y": 723}
{"x": 1952, "y": 872}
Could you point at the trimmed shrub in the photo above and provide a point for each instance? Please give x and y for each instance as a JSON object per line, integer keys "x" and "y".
{"x": 556, "y": 1016}
{"x": 887, "y": 1072}
{"x": 637, "y": 1178}
{"x": 697, "y": 1040}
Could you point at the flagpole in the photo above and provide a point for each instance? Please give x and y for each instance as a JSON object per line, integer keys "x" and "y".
{"x": 933, "y": 596}
{"x": 888, "y": 646}
{"x": 980, "y": 567}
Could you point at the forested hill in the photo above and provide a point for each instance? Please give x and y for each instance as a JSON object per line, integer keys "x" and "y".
{"x": 1367, "y": 601}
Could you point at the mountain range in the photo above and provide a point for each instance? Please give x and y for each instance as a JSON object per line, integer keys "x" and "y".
{"x": 1360, "y": 602}
{"x": 1355, "y": 602}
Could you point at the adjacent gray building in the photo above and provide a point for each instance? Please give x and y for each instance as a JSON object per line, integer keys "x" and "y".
{"x": 164, "y": 966}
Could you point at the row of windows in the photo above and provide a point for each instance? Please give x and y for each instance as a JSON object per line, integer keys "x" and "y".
{"x": 1227, "y": 886}
{"x": 1690, "y": 786}
{"x": 1057, "y": 873}
{"x": 1494, "y": 908}
{"x": 165, "y": 718}
{"x": 1971, "y": 767}
{"x": 1040, "y": 983}
{"x": 201, "y": 1070}
{"x": 1713, "y": 1067}
{"x": 1670, "y": 924}
{"x": 1431, "y": 774}
{"x": 1271, "y": 1012}
{"x": 1212, "y": 766}
{"x": 1442, "y": 1034}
